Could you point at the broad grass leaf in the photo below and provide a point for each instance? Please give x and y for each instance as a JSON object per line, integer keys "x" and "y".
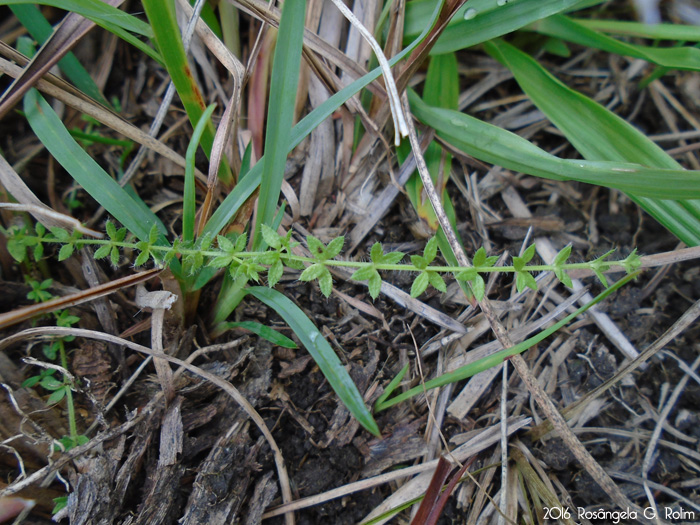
{"x": 599, "y": 134}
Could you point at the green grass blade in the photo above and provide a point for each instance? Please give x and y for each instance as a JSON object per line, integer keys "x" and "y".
{"x": 189, "y": 208}
{"x": 161, "y": 14}
{"x": 497, "y": 146}
{"x": 280, "y": 112}
{"x": 98, "y": 12}
{"x": 263, "y": 331}
{"x": 40, "y": 29}
{"x": 86, "y": 172}
{"x": 497, "y": 358}
{"x": 490, "y": 21}
{"x": 599, "y": 134}
{"x": 560, "y": 26}
{"x": 245, "y": 188}
{"x": 110, "y": 18}
{"x": 656, "y": 31}
{"x": 321, "y": 351}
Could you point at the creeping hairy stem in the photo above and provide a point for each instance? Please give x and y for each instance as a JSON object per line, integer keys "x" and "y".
{"x": 230, "y": 253}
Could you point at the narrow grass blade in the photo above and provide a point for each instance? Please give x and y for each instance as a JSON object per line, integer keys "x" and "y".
{"x": 86, "y": 172}
{"x": 560, "y": 26}
{"x": 280, "y": 112}
{"x": 99, "y": 12}
{"x": 599, "y": 134}
{"x": 161, "y": 14}
{"x": 40, "y": 29}
{"x": 188, "y": 205}
{"x": 110, "y": 18}
{"x": 321, "y": 351}
{"x": 245, "y": 188}
{"x": 263, "y": 331}
{"x": 654, "y": 31}
{"x": 485, "y": 19}
{"x": 498, "y": 357}
{"x": 498, "y": 146}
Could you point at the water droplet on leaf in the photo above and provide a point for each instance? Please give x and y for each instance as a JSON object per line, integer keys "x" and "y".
{"x": 470, "y": 13}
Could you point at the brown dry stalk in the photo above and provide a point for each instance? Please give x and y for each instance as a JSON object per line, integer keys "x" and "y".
{"x": 22, "y": 314}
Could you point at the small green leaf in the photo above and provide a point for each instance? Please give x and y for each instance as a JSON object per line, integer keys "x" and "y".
{"x": 65, "y": 252}
{"x": 325, "y": 281}
{"x": 153, "y": 234}
{"x": 142, "y": 258}
{"x": 59, "y": 504}
{"x": 221, "y": 261}
{"x": 271, "y": 237}
{"x": 562, "y": 256}
{"x": 30, "y": 381}
{"x": 102, "y": 251}
{"x": 203, "y": 243}
{"x": 466, "y": 275}
{"x": 518, "y": 263}
{"x": 393, "y": 257}
{"x": 64, "y": 318}
{"x": 564, "y": 277}
{"x": 604, "y": 256}
{"x": 51, "y": 383}
{"x": 51, "y": 351}
{"x": 17, "y": 249}
{"x": 111, "y": 229}
{"x": 56, "y": 396}
{"x": 437, "y": 281}
{"x": 334, "y": 247}
{"x": 529, "y": 253}
{"x": 312, "y": 272}
{"x": 376, "y": 254}
{"x": 114, "y": 256}
{"x": 479, "y": 287}
{"x": 241, "y": 242}
{"x": 419, "y": 262}
{"x": 430, "y": 250}
{"x": 225, "y": 244}
{"x": 375, "y": 285}
{"x": 316, "y": 247}
{"x": 268, "y": 258}
{"x": 480, "y": 258}
{"x": 293, "y": 263}
{"x": 363, "y": 274}
{"x": 420, "y": 284}
{"x": 525, "y": 280}
{"x": 38, "y": 252}
{"x": 60, "y": 234}
{"x": 274, "y": 273}
{"x": 600, "y": 276}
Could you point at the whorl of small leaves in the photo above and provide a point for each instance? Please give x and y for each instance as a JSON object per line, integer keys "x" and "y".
{"x": 229, "y": 252}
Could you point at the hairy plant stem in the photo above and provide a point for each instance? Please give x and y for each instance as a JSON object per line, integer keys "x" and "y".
{"x": 241, "y": 257}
